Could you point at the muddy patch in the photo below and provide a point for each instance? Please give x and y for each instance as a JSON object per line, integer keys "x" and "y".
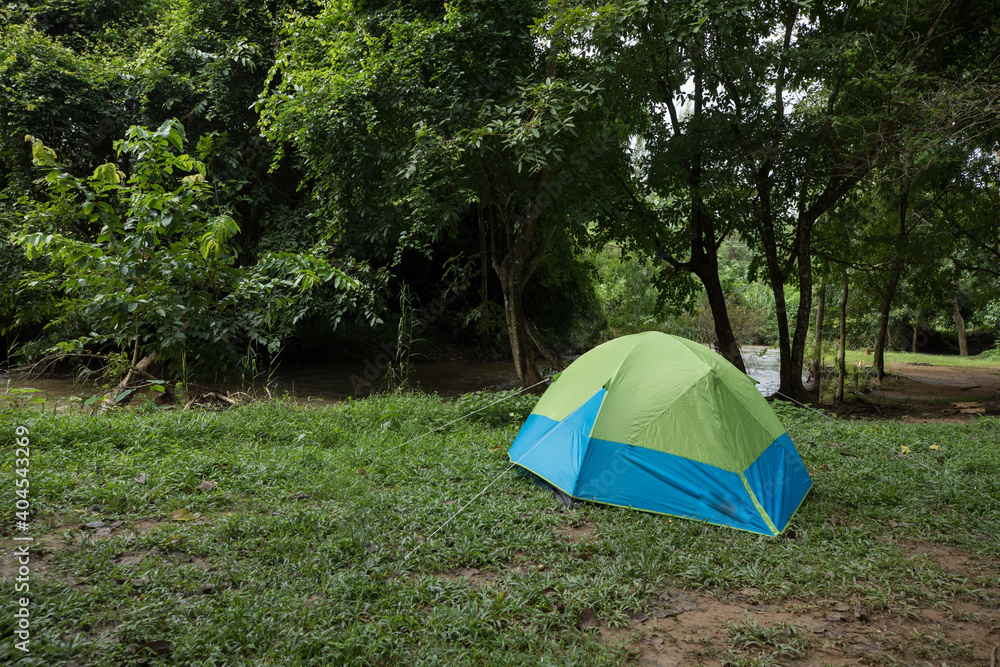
{"x": 746, "y": 627}
{"x": 710, "y": 630}
{"x": 472, "y": 576}
{"x": 578, "y": 533}
{"x": 924, "y": 393}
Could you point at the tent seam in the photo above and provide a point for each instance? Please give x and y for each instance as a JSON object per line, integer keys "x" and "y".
{"x": 760, "y": 508}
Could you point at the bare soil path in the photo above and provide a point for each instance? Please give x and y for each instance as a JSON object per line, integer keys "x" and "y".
{"x": 922, "y": 392}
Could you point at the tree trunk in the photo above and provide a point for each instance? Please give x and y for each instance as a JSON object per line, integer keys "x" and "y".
{"x": 793, "y": 356}
{"x": 729, "y": 347}
{"x": 483, "y": 257}
{"x": 883, "y": 319}
{"x": 963, "y": 343}
{"x": 890, "y": 292}
{"x": 520, "y": 341}
{"x": 916, "y": 331}
{"x": 820, "y": 306}
{"x": 550, "y": 355}
{"x": 138, "y": 371}
{"x": 842, "y": 353}
{"x": 784, "y": 342}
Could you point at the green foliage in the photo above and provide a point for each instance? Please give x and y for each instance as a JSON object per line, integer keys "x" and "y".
{"x": 85, "y": 25}
{"x": 146, "y": 261}
{"x": 497, "y": 409}
{"x": 69, "y": 100}
{"x": 418, "y": 123}
{"x": 631, "y": 292}
{"x": 778, "y": 641}
{"x": 626, "y": 292}
{"x": 393, "y": 126}
{"x": 991, "y": 355}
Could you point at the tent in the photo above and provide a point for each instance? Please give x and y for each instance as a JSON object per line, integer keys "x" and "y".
{"x": 660, "y": 423}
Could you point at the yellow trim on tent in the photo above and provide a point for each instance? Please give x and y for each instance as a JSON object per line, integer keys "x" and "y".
{"x": 760, "y": 508}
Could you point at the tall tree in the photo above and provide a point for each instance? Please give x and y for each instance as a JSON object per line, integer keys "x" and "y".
{"x": 415, "y": 119}
{"x": 763, "y": 116}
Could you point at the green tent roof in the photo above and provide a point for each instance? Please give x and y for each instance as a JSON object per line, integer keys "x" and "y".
{"x": 668, "y": 394}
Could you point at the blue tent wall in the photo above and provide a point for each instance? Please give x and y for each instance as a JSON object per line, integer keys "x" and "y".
{"x": 564, "y": 454}
{"x": 554, "y": 450}
{"x": 779, "y": 480}
{"x": 668, "y": 484}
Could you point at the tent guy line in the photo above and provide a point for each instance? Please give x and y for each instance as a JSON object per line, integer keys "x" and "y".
{"x": 434, "y": 430}
{"x": 460, "y": 510}
{"x": 941, "y": 472}
{"x": 473, "y": 499}
{"x": 465, "y": 416}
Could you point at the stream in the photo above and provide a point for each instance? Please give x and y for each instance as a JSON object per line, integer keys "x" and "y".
{"x": 322, "y": 383}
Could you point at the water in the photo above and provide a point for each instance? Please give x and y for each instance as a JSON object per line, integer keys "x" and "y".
{"x": 446, "y": 378}
{"x": 333, "y": 382}
{"x": 764, "y": 365}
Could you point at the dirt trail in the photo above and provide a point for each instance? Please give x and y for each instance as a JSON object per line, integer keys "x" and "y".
{"x": 828, "y": 633}
{"x": 921, "y": 392}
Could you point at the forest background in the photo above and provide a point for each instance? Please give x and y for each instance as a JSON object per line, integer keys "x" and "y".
{"x": 190, "y": 189}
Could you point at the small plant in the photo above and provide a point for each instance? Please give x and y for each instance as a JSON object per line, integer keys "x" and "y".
{"x": 705, "y": 649}
{"x": 497, "y": 408}
{"x": 966, "y": 616}
{"x": 936, "y": 645}
{"x": 733, "y": 659}
{"x": 909, "y": 612}
{"x": 21, "y": 396}
{"x": 397, "y": 375}
{"x": 781, "y": 640}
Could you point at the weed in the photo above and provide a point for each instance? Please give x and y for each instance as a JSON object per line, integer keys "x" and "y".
{"x": 935, "y": 644}
{"x": 781, "y": 640}
{"x": 733, "y": 659}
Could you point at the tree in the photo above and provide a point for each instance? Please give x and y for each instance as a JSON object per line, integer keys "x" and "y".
{"x": 790, "y": 104}
{"x": 77, "y": 75}
{"x": 414, "y": 120}
{"x": 145, "y": 265}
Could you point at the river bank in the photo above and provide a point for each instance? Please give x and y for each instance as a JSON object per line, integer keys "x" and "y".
{"x": 918, "y": 387}
{"x": 322, "y": 383}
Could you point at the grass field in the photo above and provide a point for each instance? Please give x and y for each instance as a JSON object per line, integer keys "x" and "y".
{"x": 858, "y": 356}
{"x": 275, "y": 534}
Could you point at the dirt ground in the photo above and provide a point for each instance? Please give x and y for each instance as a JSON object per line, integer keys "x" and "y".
{"x": 921, "y": 392}
{"x": 691, "y": 628}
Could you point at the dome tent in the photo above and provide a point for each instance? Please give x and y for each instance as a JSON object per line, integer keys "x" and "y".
{"x": 660, "y": 423}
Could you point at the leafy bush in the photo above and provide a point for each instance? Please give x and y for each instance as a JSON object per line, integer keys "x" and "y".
{"x": 990, "y": 354}
{"x": 146, "y": 262}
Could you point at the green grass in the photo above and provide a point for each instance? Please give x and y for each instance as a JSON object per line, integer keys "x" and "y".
{"x": 857, "y": 356}
{"x": 779, "y": 641}
{"x": 304, "y": 539}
